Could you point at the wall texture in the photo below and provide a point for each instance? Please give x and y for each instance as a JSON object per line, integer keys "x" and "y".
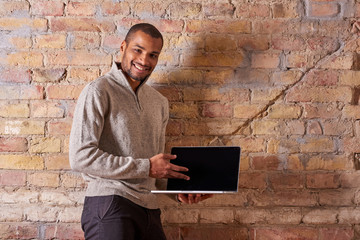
{"x": 280, "y": 78}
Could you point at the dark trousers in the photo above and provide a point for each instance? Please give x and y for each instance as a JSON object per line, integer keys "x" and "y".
{"x": 117, "y": 218}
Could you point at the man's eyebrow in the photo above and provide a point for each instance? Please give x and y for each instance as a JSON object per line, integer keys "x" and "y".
{"x": 136, "y": 45}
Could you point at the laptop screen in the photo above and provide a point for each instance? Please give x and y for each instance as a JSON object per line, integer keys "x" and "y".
{"x": 210, "y": 169}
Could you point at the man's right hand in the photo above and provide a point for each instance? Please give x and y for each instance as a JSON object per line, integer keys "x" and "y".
{"x": 160, "y": 167}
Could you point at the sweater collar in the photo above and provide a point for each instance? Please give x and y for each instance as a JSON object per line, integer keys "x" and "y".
{"x": 119, "y": 76}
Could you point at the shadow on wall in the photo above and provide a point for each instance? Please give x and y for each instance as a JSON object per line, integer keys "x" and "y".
{"x": 211, "y": 73}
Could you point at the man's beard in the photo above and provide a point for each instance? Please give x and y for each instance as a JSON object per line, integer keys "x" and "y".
{"x": 136, "y": 78}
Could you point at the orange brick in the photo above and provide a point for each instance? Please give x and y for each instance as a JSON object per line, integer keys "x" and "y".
{"x": 295, "y": 60}
{"x": 286, "y": 77}
{"x": 21, "y": 92}
{"x": 81, "y": 9}
{"x": 317, "y": 145}
{"x": 214, "y": 60}
{"x": 283, "y": 146}
{"x": 27, "y": 59}
{"x": 113, "y": 41}
{"x": 337, "y": 128}
{"x": 181, "y": 110}
{"x": 79, "y": 58}
{"x": 270, "y": 26}
{"x": 322, "y": 78}
{"x": 218, "y": 9}
{"x": 8, "y": 109}
{"x": 48, "y": 75}
{"x": 216, "y": 110}
{"x": 214, "y": 43}
{"x": 252, "y": 180}
{"x": 64, "y": 91}
{"x": 59, "y": 127}
{"x": 334, "y": 197}
{"x": 314, "y": 128}
{"x": 265, "y": 95}
{"x": 72, "y": 180}
{"x": 218, "y": 26}
{"x": 174, "y": 128}
{"x": 351, "y": 111}
{"x": 184, "y": 9}
{"x": 254, "y": 42}
{"x": 9, "y": 8}
{"x": 350, "y": 78}
{"x": 325, "y": 111}
{"x": 259, "y": 10}
{"x": 143, "y": 8}
{"x": 247, "y": 111}
{"x": 115, "y": 8}
{"x": 13, "y": 144}
{"x": 319, "y": 94}
{"x": 322, "y": 10}
{"x": 57, "y": 162}
{"x": 47, "y": 8}
{"x": 16, "y": 127}
{"x": 265, "y": 60}
{"x": 295, "y": 163}
{"x": 44, "y": 145}
{"x": 84, "y": 74}
{"x": 85, "y": 40}
{"x": 288, "y": 43}
{"x": 50, "y": 41}
{"x": 201, "y": 94}
{"x": 12, "y": 178}
{"x": 323, "y": 180}
{"x": 44, "y": 179}
{"x": 173, "y": 94}
{"x": 18, "y": 23}
{"x": 13, "y": 231}
{"x": 21, "y": 42}
{"x": 281, "y": 111}
{"x": 344, "y": 62}
{"x": 282, "y": 10}
{"x": 268, "y": 163}
{"x": 25, "y": 162}
{"x": 329, "y": 162}
{"x": 287, "y": 181}
{"x": 269, "y": 127}
{"x": 321, "y": 44}
{"x": 64, "y": 231}
{"x": 66, "y": 24}
{"x": 15, "y": 75}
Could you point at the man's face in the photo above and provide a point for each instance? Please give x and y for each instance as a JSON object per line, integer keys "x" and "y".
{"x": 140, "y": 56}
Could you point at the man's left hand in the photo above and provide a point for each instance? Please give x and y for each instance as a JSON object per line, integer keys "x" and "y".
{"x": 193, "y": 198}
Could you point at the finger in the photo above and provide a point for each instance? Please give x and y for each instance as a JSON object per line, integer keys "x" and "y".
{"x": 191, "y": 198}
{"x": 178, "y": 168}
{"x": 198, "y": 198}
{"x": 168, "y": 156}
{"x": 178, "y": 175}
{"x": 182, "y": 198}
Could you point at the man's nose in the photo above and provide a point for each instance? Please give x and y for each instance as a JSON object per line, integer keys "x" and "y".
{"x": 144, "y": 59}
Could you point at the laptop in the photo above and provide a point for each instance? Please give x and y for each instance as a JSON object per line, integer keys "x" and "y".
{"x": 211, "y": 170}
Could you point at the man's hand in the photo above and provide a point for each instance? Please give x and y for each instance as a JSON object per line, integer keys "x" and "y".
{"x": 193, "y": 198}
{"x": 160, "y": 167}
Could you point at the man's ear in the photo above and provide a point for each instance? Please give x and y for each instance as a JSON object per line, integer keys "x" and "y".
{"x": 123, "y": 46}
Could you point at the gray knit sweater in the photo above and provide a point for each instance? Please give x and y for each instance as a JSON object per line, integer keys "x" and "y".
{"x": 114, "y": 133}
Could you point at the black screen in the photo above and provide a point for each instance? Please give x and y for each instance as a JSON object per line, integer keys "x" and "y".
{"x": 210, "y": 168}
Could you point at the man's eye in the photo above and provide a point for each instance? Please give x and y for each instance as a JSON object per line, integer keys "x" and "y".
{"x": 154, "y": 56}
{"x": 137, "y": 50}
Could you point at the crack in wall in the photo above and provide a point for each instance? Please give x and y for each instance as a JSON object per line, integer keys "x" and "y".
{"x": 317, "y": 65}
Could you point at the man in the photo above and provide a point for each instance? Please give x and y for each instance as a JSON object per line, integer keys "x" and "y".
{"x": 117, "y": 143}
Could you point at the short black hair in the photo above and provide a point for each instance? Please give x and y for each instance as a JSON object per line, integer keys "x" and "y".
{"x": 146, "y": 28}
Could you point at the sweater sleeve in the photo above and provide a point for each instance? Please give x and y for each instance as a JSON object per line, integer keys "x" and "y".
{"x": 84, "y": 153}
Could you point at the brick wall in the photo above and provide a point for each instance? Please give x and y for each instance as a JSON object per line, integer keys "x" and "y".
{"x": 279, "y": 78}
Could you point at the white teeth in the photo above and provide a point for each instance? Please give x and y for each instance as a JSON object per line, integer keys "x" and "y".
{"x": 140, "y": 68}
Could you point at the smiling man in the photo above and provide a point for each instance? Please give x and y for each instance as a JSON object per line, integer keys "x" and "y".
{"x": 117, "y": 143}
